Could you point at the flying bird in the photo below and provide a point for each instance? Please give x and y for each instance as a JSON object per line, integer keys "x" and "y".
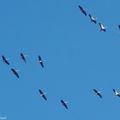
{"x": 82, "y": 10}
{"x": 97, "y": 93}
{"x": 40, "y": 61}
{"x": 102, "y": 27}
{"x": 15, "y": 72}
{"x": 5, "y": 60}
{"x": 92, "y": 19}
{"x": 23, "y": 57}
{"x": 42, "y": 94}
{"x": 116, "y": 92}
{"x": 64, "y": 103}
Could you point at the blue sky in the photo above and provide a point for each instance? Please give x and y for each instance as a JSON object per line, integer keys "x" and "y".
{"x": 78, "y": 57}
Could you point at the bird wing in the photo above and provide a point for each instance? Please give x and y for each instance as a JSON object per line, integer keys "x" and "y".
{"x": 114, "y": 90}
{"x": 118, "y": 95}
{"x": 40, "y": 91}
{"x": 95, "y": 21}
{"x": 45, "y": 98}
{"x": 99, "y": 95}
{"x": 95, "y": 90}
{"x": 39, "y": 57}
{"x": 42, "y": 64}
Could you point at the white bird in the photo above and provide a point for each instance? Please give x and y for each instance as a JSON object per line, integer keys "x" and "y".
{"x": 102, "y": 27}
{"x": 116, "y": 92}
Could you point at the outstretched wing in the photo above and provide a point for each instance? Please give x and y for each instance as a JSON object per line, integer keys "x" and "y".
{"x": 45, "y": 98}
{"x": 40, "y": 91}
{"x": 99, "y": 95}
{"x": 114, "y": 90}
{"x": 95, "y": 90}
{"x": 42, "y": 64}
{"x": 118, "y": 95}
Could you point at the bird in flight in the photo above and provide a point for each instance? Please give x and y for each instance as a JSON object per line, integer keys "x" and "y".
{"x": 82, "y": 10}
{"x": 64, "y": 104}
{"x": 5, "y": 60}
{"x": 92, "y": 19}
{"x": 15, "y": 72}
{"x": 116, "y": 92}
{"x": 102, "y": 27}
{"x": 40, "y": 61}
{"x": 23, "y": 57}
{"x": 42, "y": 94}
{"x": 97, "y": 93}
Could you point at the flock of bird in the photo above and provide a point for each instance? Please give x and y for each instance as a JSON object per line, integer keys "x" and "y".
{"x": 23, "y": 57}
{"x": 93, "y": 19}
{"x": 40, "y": 61}
{"x": 102, "y": 28}
{"x": 41, "y": 92}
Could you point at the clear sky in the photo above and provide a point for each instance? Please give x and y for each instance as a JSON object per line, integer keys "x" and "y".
{"x": 77, "y": 58}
